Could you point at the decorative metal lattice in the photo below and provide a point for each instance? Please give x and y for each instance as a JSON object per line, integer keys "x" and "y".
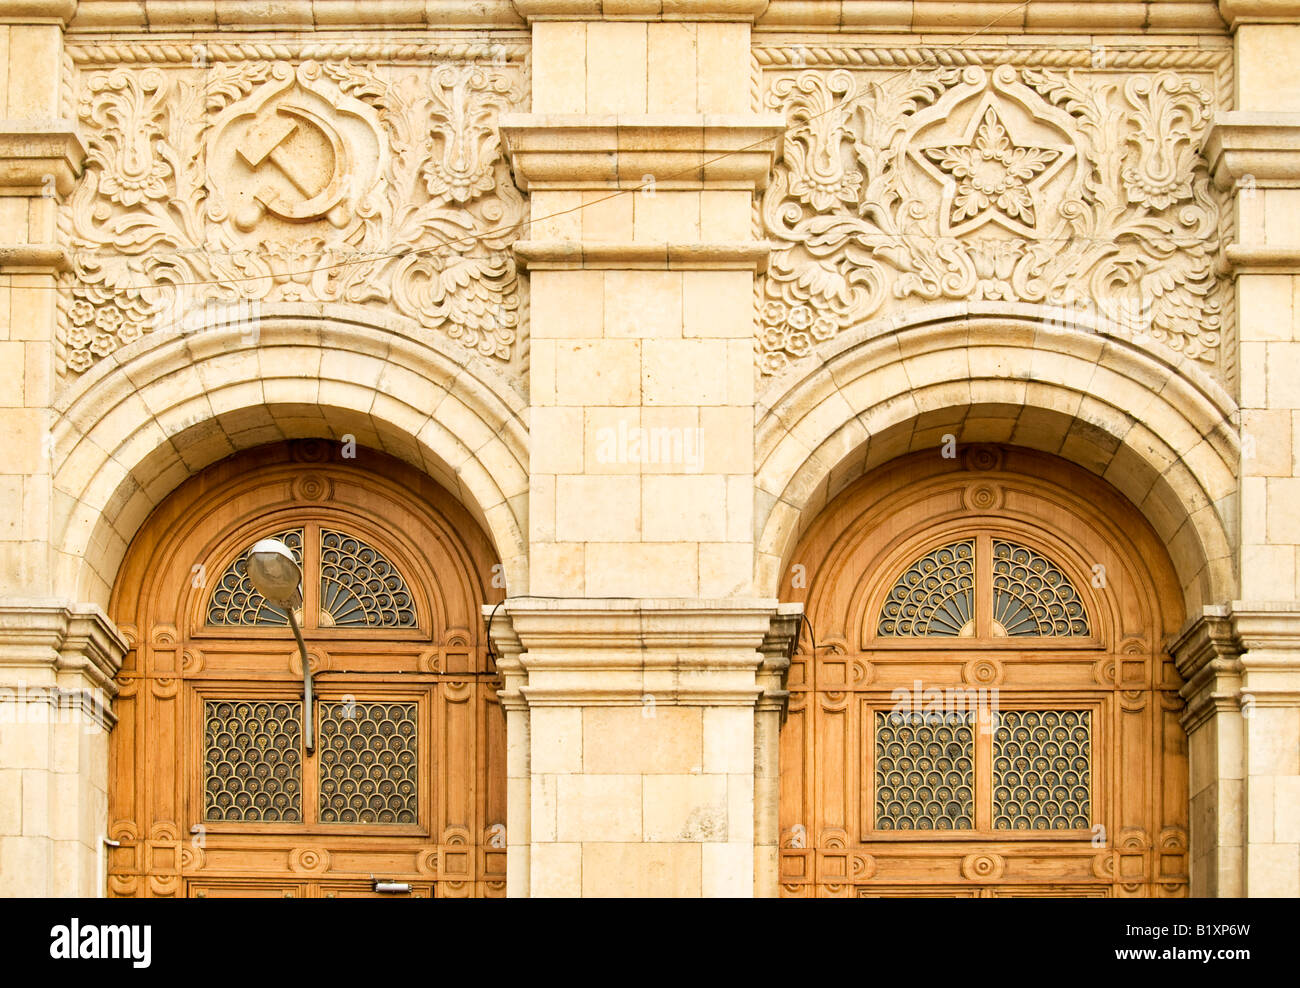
{"x": 359, "y": 587}
{"x": 252, "y": 764}
{"x": 1032, "y": 597}
{"x": 1042, "y": 774}
{"x": 935, "y": 597}
{"x": 235, "y": 602}
{"x": 925, "y": 771}
{"x": 368, "y": 763}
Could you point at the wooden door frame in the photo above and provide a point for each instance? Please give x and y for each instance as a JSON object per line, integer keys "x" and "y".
{"x": 155, "y": 798}
{"x": 850, "y": 557}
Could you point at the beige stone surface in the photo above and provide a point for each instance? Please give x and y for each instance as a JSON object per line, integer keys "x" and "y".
{"x": 677, "y": 388}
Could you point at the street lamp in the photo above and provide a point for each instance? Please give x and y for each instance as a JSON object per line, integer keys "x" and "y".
{"x": 276, "y": 576}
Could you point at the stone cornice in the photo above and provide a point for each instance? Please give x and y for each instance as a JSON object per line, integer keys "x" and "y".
{"x": 36, "y": 11}
{"x": 624, "y": 652}
{"x": 683, "y": 151}
{"x": 640, "y": 10}
{"x": 992, "y": 17}
{"x": 1265, "y": 259}
{"x": 61, "y": 637}
{"x": 33, "y": 259}
{"x": 288, "y": 15}
{"x": 1229, "y": 643}
{"x": 1262, "y": 145}
{"x": 34, "y": 151}
{"x": 568, "y": 255}
{"x": 1236, "y": 12}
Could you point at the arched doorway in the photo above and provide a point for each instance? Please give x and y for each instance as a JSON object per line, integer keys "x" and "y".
{"x": 991, "y": 711}
{"x": 212, "y": 789}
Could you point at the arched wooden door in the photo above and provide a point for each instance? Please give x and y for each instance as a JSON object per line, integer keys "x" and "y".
{"x": 213, "y": 792}
{"x": 991, "y": 711}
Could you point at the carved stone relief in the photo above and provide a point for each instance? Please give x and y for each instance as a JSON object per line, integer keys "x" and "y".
{"x": 252, "y": 175}
{"x": 913, "y": 176}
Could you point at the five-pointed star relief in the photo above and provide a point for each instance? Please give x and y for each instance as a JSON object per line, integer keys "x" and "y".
{"x": 993, "y": 176}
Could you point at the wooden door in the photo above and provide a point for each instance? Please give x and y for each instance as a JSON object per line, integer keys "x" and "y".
{"x": 213, "y": 792}
{"x": 991, "y": 711}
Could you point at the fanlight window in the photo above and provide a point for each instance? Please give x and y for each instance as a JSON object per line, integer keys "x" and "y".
{"x": 234, "y": 601}
{"x": 936, "y": 596}
{"x": 359, "y": 587}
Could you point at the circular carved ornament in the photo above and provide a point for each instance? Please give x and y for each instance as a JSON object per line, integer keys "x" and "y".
{"x": 310, "y": 859}
{"x": 982, "y": 457}
{"x": 982, "y": 867}
{"x": 982, "y": 672}
{"x": 313, "y": 487}
{"x": 983, "y": 497}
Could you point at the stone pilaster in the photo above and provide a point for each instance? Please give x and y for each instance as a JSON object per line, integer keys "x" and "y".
{"x": 642, "y": 682}
{"x": 40, "y": 157}
{"x": 57, "y": 663}
{"x": 1243, "y": 706}
{"x": 1242, "y": 667}
{"x": 57, "y": 659}
{"x": 637, "y": 762}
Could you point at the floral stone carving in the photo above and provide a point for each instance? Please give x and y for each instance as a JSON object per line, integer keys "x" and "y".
{"x": 1063, "y": 187}
{"x": 260, "y": 180}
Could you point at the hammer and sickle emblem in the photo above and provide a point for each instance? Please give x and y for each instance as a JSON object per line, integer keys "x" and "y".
{"x": 265, "y": 142}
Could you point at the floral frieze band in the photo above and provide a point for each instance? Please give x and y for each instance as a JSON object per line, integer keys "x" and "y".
{"x": 260, "y": 179}
{"x": 1027, "y": 181}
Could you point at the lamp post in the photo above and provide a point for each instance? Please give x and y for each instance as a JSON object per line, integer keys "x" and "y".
{"x": 275, "y": 575}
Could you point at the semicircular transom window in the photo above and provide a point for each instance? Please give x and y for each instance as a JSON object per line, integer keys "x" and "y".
{"x": 1032, "y": 597}
{"x": 235, "y": 602}
{"x": 358, "y": 586}
{"x": 938, "y": 595}
{"x": 935, "y": 596}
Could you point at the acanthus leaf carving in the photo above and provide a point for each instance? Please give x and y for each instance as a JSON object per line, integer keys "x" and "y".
{"x": 1019, "y": 183}
{"x": 257, "y": 180}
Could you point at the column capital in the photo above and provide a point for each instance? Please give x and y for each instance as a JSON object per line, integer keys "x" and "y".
{"x": 39, "y": 157}
{"x": 615, "y": 652}
{"x": 1249, "y": 151}
{"x": 641, "y": 10}
{"x": 1236, "y": 12}
{"x": 680, "y": 151}
{"x": 1226, "y": 653}
{"x": 1260, "y": 147}
{"x": 68, "y": 652}
{"x": 37, "y": 11}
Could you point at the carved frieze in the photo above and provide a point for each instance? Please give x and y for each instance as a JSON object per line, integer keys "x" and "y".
{"x": 238, "y": 174}
{"x": 1070, "y": 179}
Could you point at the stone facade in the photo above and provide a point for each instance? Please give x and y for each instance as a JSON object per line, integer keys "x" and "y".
{"x": 645, "y": 285}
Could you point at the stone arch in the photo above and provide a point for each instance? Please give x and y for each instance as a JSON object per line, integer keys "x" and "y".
{"x": 156, "y": 412}
{"x": 1145, "y": 419}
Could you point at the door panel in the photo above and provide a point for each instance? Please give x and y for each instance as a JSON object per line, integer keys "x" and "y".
{"x": 213, "y": 789}
{"x": 990, "y": 710}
